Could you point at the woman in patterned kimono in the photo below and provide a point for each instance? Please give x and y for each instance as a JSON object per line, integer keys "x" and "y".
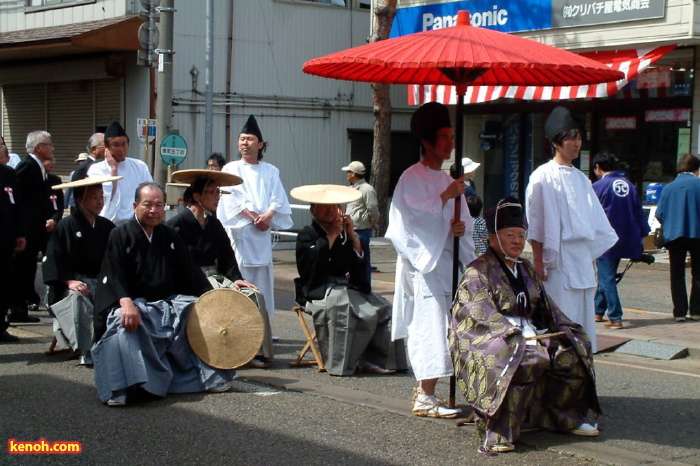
{"x": 520, "y": 361}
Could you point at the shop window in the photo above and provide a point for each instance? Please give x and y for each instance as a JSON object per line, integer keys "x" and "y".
{"x": 361, "y": 4}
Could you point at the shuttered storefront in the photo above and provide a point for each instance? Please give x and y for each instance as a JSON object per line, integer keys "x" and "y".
{"x": 70, "y": 110}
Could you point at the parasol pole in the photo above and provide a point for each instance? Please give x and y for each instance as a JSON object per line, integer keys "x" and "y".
{"x": 459, "y": 136}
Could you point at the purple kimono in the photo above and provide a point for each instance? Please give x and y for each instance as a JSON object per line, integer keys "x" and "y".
{"x": 509, "y": 381}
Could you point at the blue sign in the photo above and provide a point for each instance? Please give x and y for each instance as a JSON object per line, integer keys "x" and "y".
{"x": 524, "y": 15}
{"x": 503, "y": 16}
{"x": 173, "y": 149}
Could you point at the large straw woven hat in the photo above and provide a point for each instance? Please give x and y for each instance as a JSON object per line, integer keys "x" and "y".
{"x": 220, "y": 178}
{"x": 325, "y": 194}
{"x": 225, "y": 328}
{"x": 88, "y": 181}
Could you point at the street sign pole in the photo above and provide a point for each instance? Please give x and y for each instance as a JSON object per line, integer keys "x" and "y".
{"x": 165, "y": 84}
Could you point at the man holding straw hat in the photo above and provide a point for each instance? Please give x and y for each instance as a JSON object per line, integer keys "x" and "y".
{"x": 209, "y": 244}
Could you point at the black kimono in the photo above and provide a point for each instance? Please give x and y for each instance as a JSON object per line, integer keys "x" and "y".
{"x": 134, "y": 268}
{"x": 353, "y": 325}
{"x": 75, "y": 249}
{"x": 211, "y": 249}
{"x": 162, "y": 279}
{"x": 210, "y": 246}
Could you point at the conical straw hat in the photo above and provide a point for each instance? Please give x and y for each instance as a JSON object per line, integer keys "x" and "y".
{"x": 225, "y": 328}
{"x": 325, "y": 194}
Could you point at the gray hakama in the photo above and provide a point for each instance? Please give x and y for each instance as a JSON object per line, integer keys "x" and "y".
{"x": 72, "y": 323}
{"x": 156, "y": 357}
{"x": 354, "y": 328}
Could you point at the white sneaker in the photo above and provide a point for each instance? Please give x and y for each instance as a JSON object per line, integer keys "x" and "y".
{"x": 431, "y": 406}
{"x": 586, "y": 430}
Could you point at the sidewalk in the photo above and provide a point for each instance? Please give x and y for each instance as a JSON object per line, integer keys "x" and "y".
{"x": 651, "y": 330}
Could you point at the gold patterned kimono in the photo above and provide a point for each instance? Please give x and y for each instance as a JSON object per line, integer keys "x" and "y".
{"x": 508, "y": 380}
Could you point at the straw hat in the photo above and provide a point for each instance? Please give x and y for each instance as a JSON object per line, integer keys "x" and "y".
{"x": 220, "y": 178}
{"x": 325, "y": 194}
{"x": 225, "y": 328}
{"x": 88, "y": 181}
{"x": 82, "y": 156}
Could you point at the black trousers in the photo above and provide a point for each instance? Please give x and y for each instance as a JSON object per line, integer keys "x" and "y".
{"x": 6, "y": 284}
{"x": 678, "y": 249}
{"x": 25, "y": 264}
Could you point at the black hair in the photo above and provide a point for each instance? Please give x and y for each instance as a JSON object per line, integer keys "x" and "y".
{"x": 475, "y": 205}
{"x": 151, "y": 184}
{"x": 565, "y": 135}
{"x": 606, "y": 161}
{"x": 218, "y": 158}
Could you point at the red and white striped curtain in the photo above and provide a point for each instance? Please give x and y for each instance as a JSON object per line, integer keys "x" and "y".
{"x": 630, "y": 62}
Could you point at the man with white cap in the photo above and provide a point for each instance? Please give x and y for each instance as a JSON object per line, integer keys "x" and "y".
{"x": 353, "y": 325}
{"x": 469, "y": 167}
{"x": 119, "y": 195}
{"x": 519, "y": 359}
{"x": 254, "y": 208}
{"x": 364, "y": 211}
{"x": 568, "y": 228}
{"x": 422, "y": 229}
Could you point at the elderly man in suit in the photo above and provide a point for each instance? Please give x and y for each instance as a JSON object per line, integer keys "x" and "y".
{"x": 34, "y": 205}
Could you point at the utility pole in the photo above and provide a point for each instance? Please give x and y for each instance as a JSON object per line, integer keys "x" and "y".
{"x": 208, "y": 78}
{"x": 164, "y": 85}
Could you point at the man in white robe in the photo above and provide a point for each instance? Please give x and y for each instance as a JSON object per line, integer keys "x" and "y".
{"x": 568, "y": 228}
{"x": 422, "y": 230}
{"x": 119, "y": 195}
{"x": 252, "y": 209}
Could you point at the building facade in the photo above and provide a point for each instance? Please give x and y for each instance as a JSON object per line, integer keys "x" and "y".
{"x": 70, "y": 66}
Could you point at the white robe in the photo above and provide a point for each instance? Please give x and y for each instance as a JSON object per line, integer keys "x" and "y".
{"x": 565, "y": 215}
{"x": 119, "y": 206}
{"x": 419, "y": 229}
{"x": 260, "y": 192}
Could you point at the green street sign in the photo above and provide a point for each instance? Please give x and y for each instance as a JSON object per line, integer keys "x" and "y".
{"x": 173, "y": 149}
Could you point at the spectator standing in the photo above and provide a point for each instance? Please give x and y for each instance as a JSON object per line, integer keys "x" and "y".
{"x": 95, "y": 153}
{"x": 365, "y": 211}
{"x": 481, "y": 234}
{"x": 36, "y": 210}
{"x": 677, "y": 211}
{"x": 624, "y": 210}
{"x": 11, "y": 240}
{"x": 252, "y": 209}
{"x": 119, "y": 195}
{"x": 216, "y": 162}
{"x": 568, "y": 229}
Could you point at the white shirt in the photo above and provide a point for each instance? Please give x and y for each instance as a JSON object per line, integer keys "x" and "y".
{"x": 119, "y": 206}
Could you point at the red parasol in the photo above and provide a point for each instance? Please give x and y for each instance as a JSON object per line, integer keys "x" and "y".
{"x": 461, "y": 55}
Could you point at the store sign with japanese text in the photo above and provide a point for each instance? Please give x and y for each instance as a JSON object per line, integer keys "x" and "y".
{"x": 524, "y": 15}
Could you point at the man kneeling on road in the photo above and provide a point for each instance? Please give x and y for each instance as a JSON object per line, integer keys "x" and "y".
{"x": 518, "y": 358}
{"x": 147, "y": 283}
{"x": 353, "y": 325}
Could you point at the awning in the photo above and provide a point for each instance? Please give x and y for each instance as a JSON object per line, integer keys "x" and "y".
{"x": 114, "y": 34}
{"x": 630, "y": 62}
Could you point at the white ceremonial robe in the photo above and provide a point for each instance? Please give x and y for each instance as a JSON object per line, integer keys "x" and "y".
{"x": 119, "y": 206}
{"x": 260, "y": 192}
{"x": 565, "y": 215}
{"x": 419, "y": 229}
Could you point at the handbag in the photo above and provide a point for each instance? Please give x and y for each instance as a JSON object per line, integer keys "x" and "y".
{"x": 659, "y": 237}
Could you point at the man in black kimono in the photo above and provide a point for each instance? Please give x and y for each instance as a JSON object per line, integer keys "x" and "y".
{"x": 11, "y": 240}
{"x": 353, "y": 325}
{"x": 72, "y": 262}
{"x": 147, "y": 282}
{"x": 210, "y": 246}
